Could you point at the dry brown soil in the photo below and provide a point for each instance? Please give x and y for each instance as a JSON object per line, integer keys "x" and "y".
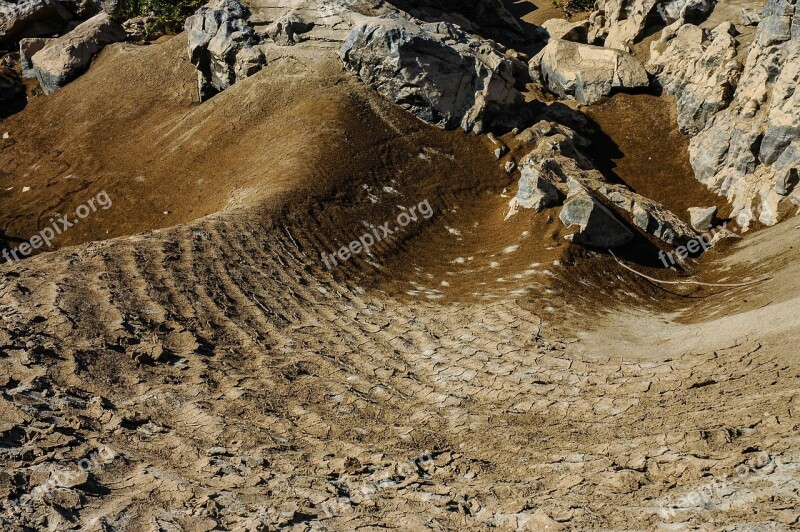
{"x": 244, "y": 386}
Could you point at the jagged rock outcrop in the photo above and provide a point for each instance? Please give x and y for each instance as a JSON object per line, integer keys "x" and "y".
{"x": 750, "y": 151}
{"x": 648, "y": 215}
{"x": 699, "y": 68}
{"x": 556, "y": 161}
{"x": 597, "y": 225}
{"x": 30, "y": 18}
{"x": 222, "y": 46}
{"x": 64, "y": 59}
{"x": 437, "y": 71}
{"x": 620, "y": 23}
{"x": 586, "y": 72}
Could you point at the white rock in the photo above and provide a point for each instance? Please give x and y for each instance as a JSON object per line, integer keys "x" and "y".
{"x": 586, "y": 72}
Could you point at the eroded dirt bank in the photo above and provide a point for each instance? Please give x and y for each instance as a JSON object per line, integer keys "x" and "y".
{"x": 477, "y": 373}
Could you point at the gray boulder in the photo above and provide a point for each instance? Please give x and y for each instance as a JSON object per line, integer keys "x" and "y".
{"x": 556, "y": 165}
{"x": 438, "y": 72}
{"x": 648, "y": 215}
{"x": 586, "y": 72}
{"x": 619, "y": 23}
{"x": 747, "y": 152}
{"x": 63, "y": 59}
{"x": 535, "y": 190}
{"x": 699, "y": 68}
{"x": 702, "y": 217}
{"x": 750, "y": 17}
{"x": 222, "y": 46}
{"x": 558, "y": 28}
{"x": 598, "y": 227}
{"x": 28, "y": 47}
{"x": 30, "y": 18}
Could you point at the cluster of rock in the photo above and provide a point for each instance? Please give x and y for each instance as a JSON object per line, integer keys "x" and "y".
{"x": 699, "y": 68}
{"x": 569, "y": 66}
{"x": 744, "y": 119}
{"x": 437, "y": 71}
{"x": 620, "y": 23}
{"x": 750, "y": 151}
{"x": 606, "y": 214}
{"x": 483, "y": 17}
{"x": 223, "y": 46}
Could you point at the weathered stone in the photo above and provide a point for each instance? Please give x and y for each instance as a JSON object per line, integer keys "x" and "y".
{"x": 646, "y": 214}
{"x": 598, "y": 226}
{"x": 556, "y": 163}
{"x": 222, "y": 46}
{"x": 750, "y": 17}
{"x": 30, "y": 18}
{"x": 746, "y": 152}
{"x": 685, "y": 10}
{"x": 535, "y": 191}
{"x": 699, "y": 68}
{"x": 702, "y": 217}
{"x": 288, "y": 29}
{"x": 28, "y": 47}
{"x": 586, "y": 72}
{"x": 619, "y": 23}
{"x": 438, "y": 72}
{"x": 64, "y": 59}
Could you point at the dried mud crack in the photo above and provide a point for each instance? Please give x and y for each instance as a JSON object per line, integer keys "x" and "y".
{"x": 188, "y": 359}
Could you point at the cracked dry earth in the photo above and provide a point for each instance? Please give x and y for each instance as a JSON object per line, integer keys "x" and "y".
{"x": 239, "y": 385}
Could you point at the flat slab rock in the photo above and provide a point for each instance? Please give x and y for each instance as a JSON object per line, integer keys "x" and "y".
{"x": 438, "y": 72}
{"x": 598, "y": 227}
{"x": 586, "y": 72}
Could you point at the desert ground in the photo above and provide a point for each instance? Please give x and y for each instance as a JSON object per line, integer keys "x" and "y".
{"x": 187, "y": 357}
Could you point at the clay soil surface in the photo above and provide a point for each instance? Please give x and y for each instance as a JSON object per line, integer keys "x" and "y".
{"x": 471, "y": 374}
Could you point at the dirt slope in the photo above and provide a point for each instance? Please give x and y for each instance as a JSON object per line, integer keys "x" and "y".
{"x": 244, "y": 386}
